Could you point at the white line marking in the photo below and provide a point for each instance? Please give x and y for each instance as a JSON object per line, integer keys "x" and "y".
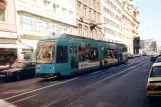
{"x": 53, "y": 102}
{"x": 26, "y": 98}
{"x": 40, "y": 89}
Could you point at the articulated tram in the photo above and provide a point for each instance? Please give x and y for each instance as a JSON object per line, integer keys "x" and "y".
{"x": 65, "y": 54}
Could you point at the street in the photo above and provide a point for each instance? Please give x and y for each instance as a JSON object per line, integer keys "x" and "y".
{"x": 119, "y": 86}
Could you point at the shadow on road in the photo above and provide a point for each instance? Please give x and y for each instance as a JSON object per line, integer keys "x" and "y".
{"x": 156, "y": 103}
{"x": 152, "y": 103}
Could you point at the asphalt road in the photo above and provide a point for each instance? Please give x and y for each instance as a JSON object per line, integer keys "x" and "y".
{"x": 119, "y": 86}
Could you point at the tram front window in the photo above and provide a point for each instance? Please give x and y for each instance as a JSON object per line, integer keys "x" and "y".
{"x": 45, "y": 52}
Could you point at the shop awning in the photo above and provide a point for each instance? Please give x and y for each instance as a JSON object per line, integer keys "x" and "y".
{"x": 8, "y": 46}
{"x": 14, "y": 46}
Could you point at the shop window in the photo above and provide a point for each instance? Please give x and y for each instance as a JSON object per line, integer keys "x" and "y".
{"x": 62, "y": 54}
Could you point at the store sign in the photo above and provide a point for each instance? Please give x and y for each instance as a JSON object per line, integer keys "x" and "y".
{"x": 7, "y": 41}
{"x": 30, "y": 37}
{"x": 8, "y": 35}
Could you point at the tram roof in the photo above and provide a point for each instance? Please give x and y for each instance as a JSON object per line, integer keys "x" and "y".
{"x": 62, "y": 35}
{"x": 55, "y": 36}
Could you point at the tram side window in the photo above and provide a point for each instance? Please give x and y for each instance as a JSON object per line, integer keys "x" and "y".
{"x": 94, "y": 54}
{"x": 112, "y": 53}
{"x": 62, "y": 54}
{"x": 83, "y": 54}
{"x": 125, "y": 49}
{"x": 105, "y": 53}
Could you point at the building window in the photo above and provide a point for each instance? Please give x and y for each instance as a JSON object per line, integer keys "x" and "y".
{"x": 49, "y": 27}
{"x": 78, "y": 7}
{"x": 42, "y": 25}
{"x": 55, "y": 8}
{"x": 2, "y": 15}
{"x": 70, "y": 13}
{"x": 34, "y": 2}
{"x": 46, "y": 4}
{"x": 64, "y": 11}
{"x": 26, "y": 22}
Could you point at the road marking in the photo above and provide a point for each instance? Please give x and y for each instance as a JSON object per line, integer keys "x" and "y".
{"x": 62, "y": 83}
{"x": 26, "y": 98}
{"x": 16, "y": 84}
{"x": 40, "y": 89}
{"x": 53, "y": 102}
{"x": 16, "y": 91}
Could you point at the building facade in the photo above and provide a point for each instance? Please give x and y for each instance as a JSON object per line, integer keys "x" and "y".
{"x": 148, "y": 45}
{"x": 88, "y": 12}
{"x": 38, "y": 18}
{"x": 8, "y": 32}
{"x": 130, "y": 26}
{"x": 120, "y": 18}
{"x": 158, "y": 46}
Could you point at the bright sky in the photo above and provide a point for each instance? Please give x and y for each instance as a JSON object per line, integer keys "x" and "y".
{"x": 150, "y": 19}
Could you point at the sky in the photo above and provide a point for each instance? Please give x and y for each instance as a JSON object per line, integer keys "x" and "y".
{"x": 150, "y": 19}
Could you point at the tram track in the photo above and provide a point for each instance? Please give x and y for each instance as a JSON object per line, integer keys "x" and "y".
{"x": 35, "y": 80}
{"x": 78, "y": 95}
{"x": 87, "y": 89}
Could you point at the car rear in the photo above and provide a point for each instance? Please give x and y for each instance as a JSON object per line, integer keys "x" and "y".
{"x": 154, "y": 87}
{"x": 154, "y": 81}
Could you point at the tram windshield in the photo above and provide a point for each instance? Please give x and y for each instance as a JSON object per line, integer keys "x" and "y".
{"x": 45, "y": 52}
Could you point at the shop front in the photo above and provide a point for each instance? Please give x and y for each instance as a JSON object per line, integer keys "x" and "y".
{"x": 7, "y": 56}
{"x": 13, "y": 50}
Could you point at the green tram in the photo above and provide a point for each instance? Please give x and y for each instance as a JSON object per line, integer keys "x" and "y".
{"x": 65, "y": 54}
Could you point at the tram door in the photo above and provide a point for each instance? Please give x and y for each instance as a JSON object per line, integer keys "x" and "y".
{"x": 73, "y": 57}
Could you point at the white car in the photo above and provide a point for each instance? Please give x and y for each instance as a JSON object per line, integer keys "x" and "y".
{"x": 154, "y": 81}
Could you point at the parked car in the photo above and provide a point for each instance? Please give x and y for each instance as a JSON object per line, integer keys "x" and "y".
{"x": 158, "y": 59}
{"x": 18, "y": 71}
{"x": 131, "y": 56}
{"x": 153, "y": 58}
{"x": 154, "y": 81}
{"x": 137, "y": 55}
{"x": 144, "y": 54}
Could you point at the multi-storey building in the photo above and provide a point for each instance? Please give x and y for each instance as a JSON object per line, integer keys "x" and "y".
{"x": 158, "y": 46}
{"x": 148, "y": 45}
{"x": 130, "y": 24}
{"x": 37, "y": 18}
{"x": 112, "y": 19}
{"x": 120, "y": 22}
{"x": 88, "y": 12}
{"x": 8, "y": 35}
